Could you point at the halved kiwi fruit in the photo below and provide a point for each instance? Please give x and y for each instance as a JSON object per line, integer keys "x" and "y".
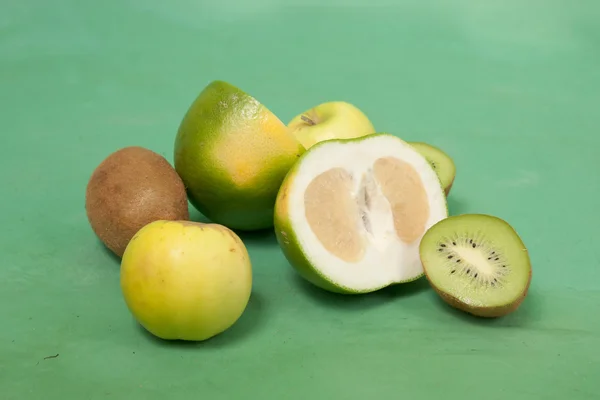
{"x": 442, "y": 163}
{"x": 477, "y": 263}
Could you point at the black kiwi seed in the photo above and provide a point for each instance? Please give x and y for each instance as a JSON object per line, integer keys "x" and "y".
{"x": 467, "y": 268}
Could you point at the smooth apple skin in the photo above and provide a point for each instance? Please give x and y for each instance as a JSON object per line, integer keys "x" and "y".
{"x": 185, "y": 280}
{"x": 330, "y": 120}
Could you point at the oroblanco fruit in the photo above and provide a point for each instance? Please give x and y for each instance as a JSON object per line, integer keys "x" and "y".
{"x": 351, "y": 213}
{"x": 232, "y": 154}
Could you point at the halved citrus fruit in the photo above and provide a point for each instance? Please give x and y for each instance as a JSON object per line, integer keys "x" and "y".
{"x": 351, "y": 213}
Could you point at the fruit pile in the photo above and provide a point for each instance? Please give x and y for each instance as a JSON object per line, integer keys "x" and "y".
{"x": 353, "y": 211}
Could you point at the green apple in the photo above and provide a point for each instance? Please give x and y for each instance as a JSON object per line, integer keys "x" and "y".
{"x": 184, "y": 280}
{"x": 330, "y": 120}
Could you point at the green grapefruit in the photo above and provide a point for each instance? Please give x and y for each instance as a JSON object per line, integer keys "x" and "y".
{"x": 232, "y": 154}
{"x": 351, "y": 213}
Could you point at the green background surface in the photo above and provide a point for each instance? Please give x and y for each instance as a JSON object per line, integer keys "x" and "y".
{"x": 510, "y": 89}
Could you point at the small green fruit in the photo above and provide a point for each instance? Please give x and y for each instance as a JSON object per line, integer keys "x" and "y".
{"x": 186, "y": 280}
{"x": 441, "y": 162}
{"x": 477, "y": 263}
{"x": 330, "y": 120}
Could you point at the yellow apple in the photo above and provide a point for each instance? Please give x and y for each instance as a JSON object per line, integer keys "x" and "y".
{"x": 185, "y": 280}
{"x": 330, "y": 120}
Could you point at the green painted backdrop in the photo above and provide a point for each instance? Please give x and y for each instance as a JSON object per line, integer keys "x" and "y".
{"x": 510, "y": 89}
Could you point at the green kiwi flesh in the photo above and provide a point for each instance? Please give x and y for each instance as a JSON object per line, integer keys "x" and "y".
{"x": 441, "y": 162}
{"x": 476, "y": 263}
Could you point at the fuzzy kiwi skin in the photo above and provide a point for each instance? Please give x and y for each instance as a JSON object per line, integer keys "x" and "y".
{"x": 130, "y": 188}
{"x": 483, "y": 312}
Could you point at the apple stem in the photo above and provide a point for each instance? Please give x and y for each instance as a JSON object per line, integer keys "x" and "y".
{"x": 307, "y": 120}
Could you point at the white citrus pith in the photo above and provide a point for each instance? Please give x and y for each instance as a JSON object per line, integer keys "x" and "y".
{"x": 351, "y": 213}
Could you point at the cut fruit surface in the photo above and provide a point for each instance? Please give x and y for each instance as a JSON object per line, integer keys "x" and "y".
{"x": 441, "y": 162}
{"x": 477, "y": 263}
{"x": 350, "y": 214}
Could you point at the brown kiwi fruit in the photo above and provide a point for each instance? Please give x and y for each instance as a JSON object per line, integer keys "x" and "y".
{"x": 129, "y": 189}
